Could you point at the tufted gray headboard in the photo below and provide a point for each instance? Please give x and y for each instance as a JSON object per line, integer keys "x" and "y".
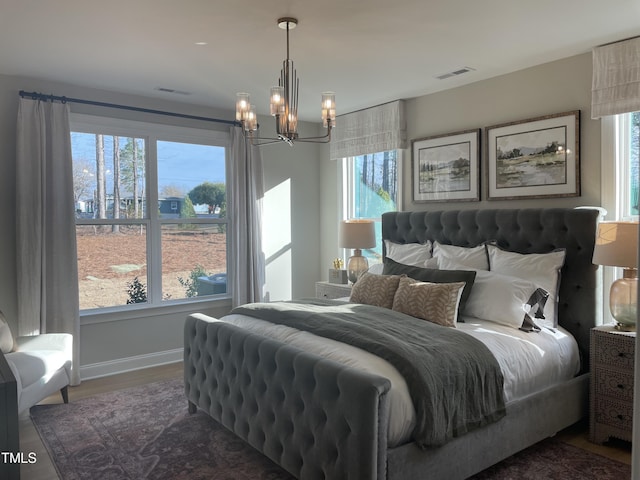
{"x": 534, "y": 230}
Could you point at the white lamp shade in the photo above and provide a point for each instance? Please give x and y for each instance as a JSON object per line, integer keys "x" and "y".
{"x": 357, "y": 234}
{"x": 617, "y": 244}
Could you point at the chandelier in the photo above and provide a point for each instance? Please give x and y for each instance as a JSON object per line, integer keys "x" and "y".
{"x": 284, "y": 105}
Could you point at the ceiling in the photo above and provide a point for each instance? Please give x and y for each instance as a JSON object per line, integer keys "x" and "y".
{"x": 367, "y": 51}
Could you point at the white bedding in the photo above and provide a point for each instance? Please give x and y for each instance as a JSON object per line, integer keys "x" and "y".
{"x": 530, "y": 362}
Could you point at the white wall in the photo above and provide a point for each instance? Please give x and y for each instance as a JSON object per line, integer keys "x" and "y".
{"x": 291, "y": 175}
{"x": 291, "y": 223}
{"x": 554, "y": 87}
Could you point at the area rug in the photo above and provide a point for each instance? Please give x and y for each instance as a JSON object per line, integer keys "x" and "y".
{"x": 146, "y": 433}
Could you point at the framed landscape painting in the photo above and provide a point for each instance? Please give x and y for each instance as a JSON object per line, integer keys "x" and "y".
{"x": 534, "y": 158}
{"x": 445, "y": 167}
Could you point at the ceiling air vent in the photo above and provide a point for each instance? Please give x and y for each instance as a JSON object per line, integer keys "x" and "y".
{"x": 455, "y": 73}
{"x": 172, "y": 90}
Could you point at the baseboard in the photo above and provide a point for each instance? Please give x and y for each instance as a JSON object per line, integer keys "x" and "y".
{"x": 128, "y": 364}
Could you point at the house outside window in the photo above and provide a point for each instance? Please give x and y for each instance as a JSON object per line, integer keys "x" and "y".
{"x": 371, "y": 186}
{"x": 131, "y": 256}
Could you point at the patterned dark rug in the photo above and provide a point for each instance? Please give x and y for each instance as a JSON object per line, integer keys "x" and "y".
{"x": 146, "y": 433}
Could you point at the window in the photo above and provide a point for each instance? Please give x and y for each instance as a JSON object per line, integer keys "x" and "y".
{"x": 371, "y": 187}
{"x": 629, "y": 143}
{"x": 620, "y": 138}
{"x": 620, "y": 170}
{"x": 151, "y": 223}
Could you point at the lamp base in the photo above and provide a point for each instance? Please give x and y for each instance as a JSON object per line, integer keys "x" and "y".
{"x": 622, "y": 327}
{"x": 623, "y": 300}
{"x": 357, "y": 265}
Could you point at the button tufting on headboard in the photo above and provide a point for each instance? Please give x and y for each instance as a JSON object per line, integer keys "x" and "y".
{"x": 533, "y": 230}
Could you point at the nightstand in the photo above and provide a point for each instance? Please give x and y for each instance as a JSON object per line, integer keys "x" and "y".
{"x": 611, "y": 384}
{"x": 332, "y": 290}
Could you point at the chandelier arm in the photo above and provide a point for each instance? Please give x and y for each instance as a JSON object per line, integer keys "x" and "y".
{"x": 262, "y": 141}
{"x": 311, "y": 140}
{"x": 324, "y": 139}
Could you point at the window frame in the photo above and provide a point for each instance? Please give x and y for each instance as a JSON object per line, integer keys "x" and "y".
{"x": 152, "y": 133}
{"x": 615, "y": 166}
{"x": 614, "y": 185}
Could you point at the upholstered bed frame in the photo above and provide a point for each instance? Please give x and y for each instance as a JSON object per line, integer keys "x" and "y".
{"x": 322, "y": 420}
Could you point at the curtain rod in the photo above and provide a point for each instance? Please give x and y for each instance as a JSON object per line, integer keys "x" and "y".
{"x": 618, "y": 41}
{"x": 42, "y": 96}
{"x": 373, "y": 106}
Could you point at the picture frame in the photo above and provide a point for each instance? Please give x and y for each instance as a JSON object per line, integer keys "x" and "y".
{"x": 445, "y": 168}
{"x": 534, "y": 158}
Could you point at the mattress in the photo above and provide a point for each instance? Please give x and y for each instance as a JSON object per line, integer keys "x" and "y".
{"x": 530, "y": 362}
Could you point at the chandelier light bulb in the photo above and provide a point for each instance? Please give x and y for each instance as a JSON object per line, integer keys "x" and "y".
{"x": 242, "y": 106}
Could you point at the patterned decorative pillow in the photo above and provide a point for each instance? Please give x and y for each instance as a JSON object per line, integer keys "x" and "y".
{"x": 435, "y": 302}
{"x": 6, "y": 338}
{"x": 373, "y": 289}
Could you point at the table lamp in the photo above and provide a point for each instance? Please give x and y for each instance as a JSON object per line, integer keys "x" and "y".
{"x": 357, "y": 234}
{"x": 617, "y": 245}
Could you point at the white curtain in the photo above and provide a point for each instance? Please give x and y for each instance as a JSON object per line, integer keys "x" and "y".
{"x": 46, "y": 255}
{"x": 616, "y": 78}
{"x": 247, "y": 190}
{"x": 376, "y": 129}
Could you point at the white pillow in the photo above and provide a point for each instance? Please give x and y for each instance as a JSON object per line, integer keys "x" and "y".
{"x": 6, "y": 338}
{"x": 376, "y": 268}
{"x": 473, "y": 257}
{"x": 414, "y": 254}
{"x": 499, "y": 298}
{"x": 543, "y": 269}
{"x": 445, "y": 263}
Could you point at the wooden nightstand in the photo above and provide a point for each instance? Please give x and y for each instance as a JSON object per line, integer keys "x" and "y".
{"x": 332, "y": 290}
{"x": 611, "y": 387}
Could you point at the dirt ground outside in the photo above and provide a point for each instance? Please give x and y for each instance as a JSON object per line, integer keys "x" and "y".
{"x": 108, "y": 261}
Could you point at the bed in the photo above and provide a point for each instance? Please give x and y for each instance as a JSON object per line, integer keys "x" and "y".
{"x": 320, "y": 418}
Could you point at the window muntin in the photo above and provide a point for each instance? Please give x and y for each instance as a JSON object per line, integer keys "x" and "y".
{"x": 108, "y": 170}
{"x": 372, "y": 187}
{"x": 177, "y": 240}
{"x": 199, "y": 175}
{"x": 103, "y": 266}
{"x": 194, "y": 260}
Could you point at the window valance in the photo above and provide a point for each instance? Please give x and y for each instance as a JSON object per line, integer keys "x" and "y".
{"x": 616, "y": 78}
{"x": 375, "y": 129}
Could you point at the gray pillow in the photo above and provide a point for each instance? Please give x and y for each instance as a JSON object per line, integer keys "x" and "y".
{"x": 433, "y": 275}
{"x": 6, "y": 339}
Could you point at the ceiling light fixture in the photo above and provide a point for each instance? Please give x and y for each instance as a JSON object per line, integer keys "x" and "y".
{"x": 284, "y": 105}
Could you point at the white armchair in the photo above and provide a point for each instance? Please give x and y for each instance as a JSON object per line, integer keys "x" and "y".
{"x": 41, "y": 364}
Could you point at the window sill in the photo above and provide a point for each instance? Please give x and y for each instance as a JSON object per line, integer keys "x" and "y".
{"x": 143, "y": 311}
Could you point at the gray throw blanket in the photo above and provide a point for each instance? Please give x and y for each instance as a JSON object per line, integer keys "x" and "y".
{"x": 454, "y": 380}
